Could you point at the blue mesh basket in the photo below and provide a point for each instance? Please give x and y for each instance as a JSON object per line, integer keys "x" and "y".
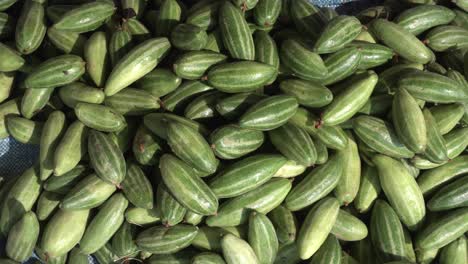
{"x": 16, "y": 157}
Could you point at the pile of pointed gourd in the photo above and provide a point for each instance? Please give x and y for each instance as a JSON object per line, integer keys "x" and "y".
{"x": 238, "y": 132}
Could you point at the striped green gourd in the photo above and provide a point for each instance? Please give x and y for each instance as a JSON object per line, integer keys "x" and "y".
{"x": 123, "y": 241}
{"x": 76, "y": 92}
{"x": 100, "y": 117}
{"x": 402, "y": 190}
{"x": 97, "y": 58}
{"x": 262, "y": 237}
{"x": 235, "y": 32}
{"x": 53, "y": 130}
{"x": 65, "y": 182}
{"x": 421, "y": 18}
{"x": 34, "y": 100}
{"x": 30, "y": 27}
{"x": 166, "y": 240}
{"x": 338, "y": 32}
{"x": 104, "y": 224}
{"x": 308, "y": 93}
{"x": 232, "y": 245}
{"x": 401, "y": 41}
{"x": 67, "y": 41}
{"x": 106, "y": 158}
{"x": 72, "y": 147}
{"x": 23, "y": 237}
{"x": 139, "y": 61}
{"x": 193, "y": 65}
{"x": 171, "y": 211}
{"x": 178, "y": 98}
{"x": 141, "y": 216}
{"x": 188, "y": 37}
{"x": 132, "y": 101}
{"x": 57, "y": 71}
{"x": 348, "y": 185}
{"x": 47, "y": 204}
{"x": 24, "y": 130}
{"x": 329, "y": 252}
{"x": 232, "y": 141}
{"x": 444, "y": 38}
{"x": 137, "y": 188}
{"x": 450, "y": 196}
{"x": 88, "y": 193}
{"x": 301, "y": 60}
{"x": 190, "y": 146}
{"x": 387, "y": 232}
{"x": 443, "y": 230}
{"x": 294, "y": 143}
{"x": 316, "y": 226}
{"x": 240, "y": 76}
{"x": 86, "y": 17}
{"x": 285, "y": 224}
{"x": 348, "y": 227}
{"x": 169, "y": 16}
{"x": 263, "y": 199}
{"x": 269, "y": 113}
{"x": 159, "y": 82}
{"x": 196, "y": 196}
{"x": 246, "y": 175}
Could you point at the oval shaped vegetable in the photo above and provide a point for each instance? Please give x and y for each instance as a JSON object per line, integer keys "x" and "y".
{"x": 347, "y": 227}
{"x": 106, "y": 158}
{"x": 231, "y": 141}
{"x": 196, "y": 195}
{"x": 269, "y": 113}
{"x": 341, "y": 64}
{"x": 294, "y": 143}
{"x": 97, "y": 58}
{"x": 88, "y": 193}
{"x": 22, "y": 237}
{"x": 241, "y": 76}
{"x": 262, "y": 238}
{"x": 11, "y": 60}
{"x": 316, "y": 226}
{"x": 188, "y": 37}
{"x": 418, "y": 19}
{"x": 450, "y": 196}
{"x": 443, "y": 38}
{"x": 104, "y": 225}
{"x": 329, "y": 252}
{"x": 246, "y": 175}
{"x": 380, "y": 136}
{"x": 237, "y": 251}
{"x": 57, "y": 71}
{"x": 86, "y": 17}
{"x": 71, "y": 149}
{"x": 132, "y": 101}
{"x": 349, "y": 101}
{"x": 166, "y": 240}
{"x": 24, "y": 130}
{"x": 30, "y": 27}
{"x": 193, "y": 65}
{"x": 73, "y": 93}
{"x": 137, "y": 188}
{"x": 348, "y": 185}
{"x": 443, "y": 230}
{"x": 432, "y": 87}
{"x": 302, "y": 61}
{"x": 436, "y": 150}
{"x": 263, "y": 199}
{"x": 401, "y": 41}
{"x": 53, "y": 130}
{"x": 338, "y": 32}
{"x": 100, "y": 117}
{"x": 387, "y": 232}
{"x": 401, "y": 190}
{"x": 63, "y": 231}
{"x": 171, "y": 211}
{"x": 159, "y": 82}
{"x": 47, "y": 203}
{"x": 307, "y": 93}
{"x": 406, "y": 113}
{"x": 139, "y": 61}
{"x": 191, "y": 147}
{"x": 235, "y": 32}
